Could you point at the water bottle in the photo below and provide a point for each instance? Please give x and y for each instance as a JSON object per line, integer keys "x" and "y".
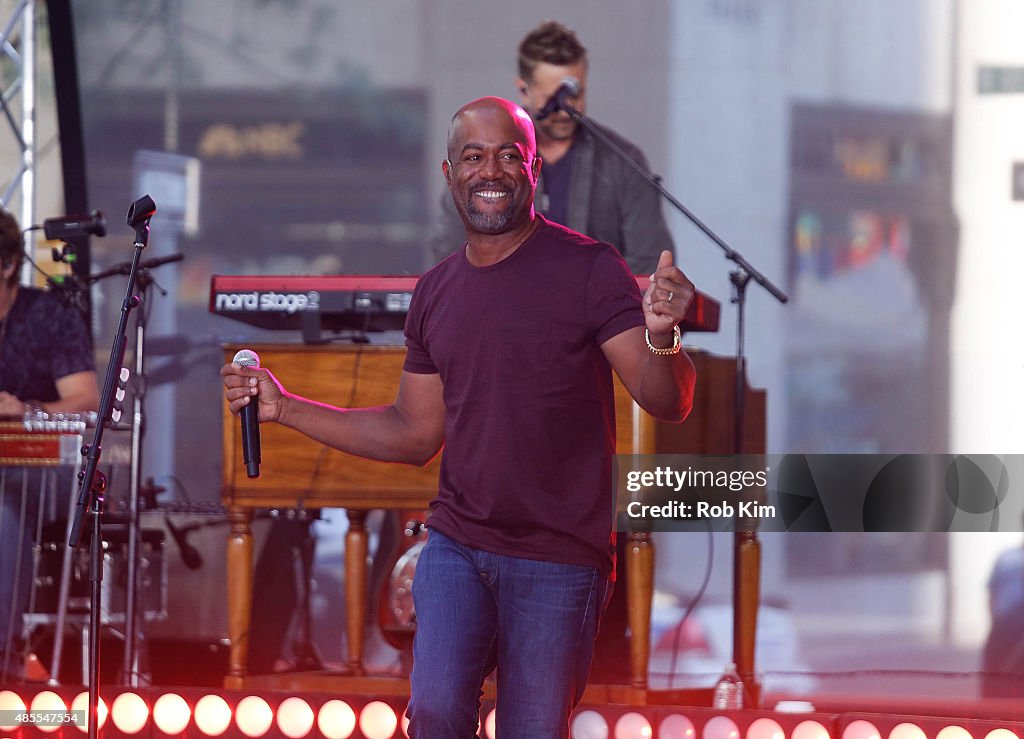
{"x": 729, "y": 690}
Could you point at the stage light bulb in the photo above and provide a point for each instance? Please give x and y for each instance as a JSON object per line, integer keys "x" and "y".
{"x": 171, "y": 713}
{"x": 765, "y": 728}
{"x": 10, "y": 702}
{"x": 47, "y": 702}
{"x": 811, "y": 730}
{"x": 907, "y": 730}
{"x": 378, "y": 720}
{"x": 589, "y": 725}
{"x": 81, "y": 703}
{"x": 295, "y": 718}
{"x": 633, "y": 726}
{"x": 676, "y": 727}
{"x": 720, "y": 727}
{"x": 861, "y": 729}
{"x": 129, "y": 713}
{"x": 489, "y": 725}
{"x": 954, "y": 732}
{"x": 254, "y": 716}
{"x": 405, "y": 722}
{"x": 213, "y": 715}
{"x": 336, "y": 720}
{"x": 1001, "y": 734}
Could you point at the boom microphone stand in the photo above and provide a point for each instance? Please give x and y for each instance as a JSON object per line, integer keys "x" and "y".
{"x": 130, "y": 670}
{"x": 746, "y": 549}
{"x": 92, "y": 482}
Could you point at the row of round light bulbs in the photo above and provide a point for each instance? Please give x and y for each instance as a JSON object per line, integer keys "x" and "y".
{"x": 253, "y": 716}
{"x": 591, "y": 724}
{"x": 336, "y": 719}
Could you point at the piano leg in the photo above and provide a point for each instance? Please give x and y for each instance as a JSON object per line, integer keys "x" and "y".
{"x": 239, "y": 577}
{"x": 355, "y": 587}
{"x": 640, "y": 569}
{"x": 640, "y": 564}
{"x": 746, "y": 600}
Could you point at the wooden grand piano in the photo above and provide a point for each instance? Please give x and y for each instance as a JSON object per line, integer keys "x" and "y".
{"x": 299, "y": 473}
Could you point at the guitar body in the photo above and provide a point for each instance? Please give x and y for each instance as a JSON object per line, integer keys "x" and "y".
{"x": 396, "y": 615}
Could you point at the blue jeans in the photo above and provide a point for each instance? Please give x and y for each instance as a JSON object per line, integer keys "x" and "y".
{"x": 536, "y": 621}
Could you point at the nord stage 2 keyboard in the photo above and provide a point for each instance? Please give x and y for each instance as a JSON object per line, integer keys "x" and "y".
{"x": 355, "y": 303}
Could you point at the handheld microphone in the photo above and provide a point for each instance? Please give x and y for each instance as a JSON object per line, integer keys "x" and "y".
{"x": 70, "y": 227}
{"x": 569, "y": 88}
{"x": 250, "y": 417}
{"x": 189, "y": 554}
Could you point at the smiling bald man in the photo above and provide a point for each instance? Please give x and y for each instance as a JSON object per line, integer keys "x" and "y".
{"x": 511, "y": 344}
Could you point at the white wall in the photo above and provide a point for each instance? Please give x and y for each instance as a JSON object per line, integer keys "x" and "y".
{"x": 987, "y": 358}
{"x": 987, "y": 355}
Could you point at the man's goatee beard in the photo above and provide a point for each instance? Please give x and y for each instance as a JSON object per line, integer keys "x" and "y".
{"x": 490, "y": 223}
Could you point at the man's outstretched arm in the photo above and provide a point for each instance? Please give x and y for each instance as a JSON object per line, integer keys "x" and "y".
{"x": 410, "y": 430}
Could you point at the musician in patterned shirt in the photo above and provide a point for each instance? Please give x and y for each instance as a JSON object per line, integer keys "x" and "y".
{"x": 46, "y": 364}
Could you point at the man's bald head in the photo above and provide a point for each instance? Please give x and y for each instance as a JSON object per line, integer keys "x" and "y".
{"x": 493, "y": 108}
{"x": 492, "y": 166}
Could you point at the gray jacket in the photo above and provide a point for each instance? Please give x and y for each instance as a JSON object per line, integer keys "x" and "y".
{"x": 608, "y": 201}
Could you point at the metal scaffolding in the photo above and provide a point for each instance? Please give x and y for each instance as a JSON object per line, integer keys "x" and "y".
{"x": 18, "y": 55}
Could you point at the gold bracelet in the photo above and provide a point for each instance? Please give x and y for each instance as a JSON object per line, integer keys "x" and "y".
{"x": 677, "y": 343}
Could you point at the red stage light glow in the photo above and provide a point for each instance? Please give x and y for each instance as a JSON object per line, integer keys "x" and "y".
{"x": 171, "y": 713}
{"x": 721, "y": 727}
{"x": 213, "y": 715}
{"x": 48, "y": 702}
{"x": 765, "y": 728}
{"x": 336, "y": 720}
{"x": 676, "y": 727}
{"x": 378, "y": 720}
{"x": 10, "y": 701}
{"x": 295, "y": 718}
{"x": 632, "y": 725}
{"x": 129, "y": 713}
{"x": 81, "y": 703}
{"x": 254, "y": 716}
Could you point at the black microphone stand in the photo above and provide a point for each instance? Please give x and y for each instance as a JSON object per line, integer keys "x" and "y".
{"x": 130, "y": 670}
{"x": 92, "y": 482}
{"x": 75, "y": 287}
{"x": 746, "y": 549}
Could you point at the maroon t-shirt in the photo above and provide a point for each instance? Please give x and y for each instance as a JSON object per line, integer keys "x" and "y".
{"x": 529, "y": 406}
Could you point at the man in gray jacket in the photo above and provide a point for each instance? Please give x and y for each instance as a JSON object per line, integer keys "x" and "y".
{"x": 583, "y": 185}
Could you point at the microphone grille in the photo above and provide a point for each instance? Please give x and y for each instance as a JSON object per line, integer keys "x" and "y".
{"x": 247, "y": 358}
{"x": 572, "y": 85}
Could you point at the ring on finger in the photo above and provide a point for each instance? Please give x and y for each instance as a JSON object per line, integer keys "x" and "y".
{"x": 670, "y": 296}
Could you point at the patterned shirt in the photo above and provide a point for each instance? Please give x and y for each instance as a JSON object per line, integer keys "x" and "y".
{"x": 44, "y": 339}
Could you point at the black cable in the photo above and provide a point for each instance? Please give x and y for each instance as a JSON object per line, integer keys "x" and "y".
{"x": 677, "y": 636}
{"x": 179, "y": 486}
{"x": 28, "y": 255}
{"x": 74, "y": 288}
